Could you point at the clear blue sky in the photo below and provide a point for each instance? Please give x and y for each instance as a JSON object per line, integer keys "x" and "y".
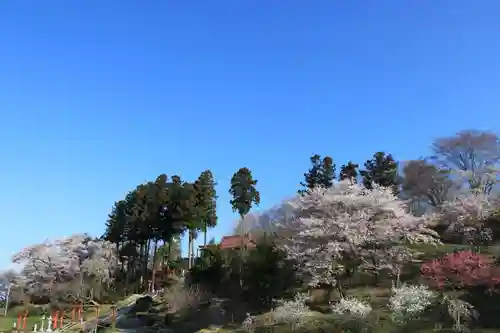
{"x": 98, "y": 96}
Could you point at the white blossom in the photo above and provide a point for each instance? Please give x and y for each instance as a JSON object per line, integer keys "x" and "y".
{"x": 465, "y": 215}
{"x": 408, "y": 301}
{"x": 460, "y": 312}
{"x": 291, "y": 312}
{"x": 349, "y": 223}
{"x": 352, "y": 307}
{"x": 62, "y": 261}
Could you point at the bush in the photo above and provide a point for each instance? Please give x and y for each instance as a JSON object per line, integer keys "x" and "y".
{"x": 464, "y": 269}
{"x": 180, "y": 298}
{"x": 264, "y": 275}
{"x": 292, "y": 313}
{"x": 212, "y": 272}
{"x": 268, "y": 275}
{"x": 352, "y": 307}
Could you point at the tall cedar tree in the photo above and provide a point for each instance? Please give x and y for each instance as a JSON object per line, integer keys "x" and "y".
{"x": 321, "y": 173}
{"x": 244, "y": 193}
{"x": 207, "y": 201}
{"x": 349, "y": 171}
{"x": 152, "y": 201}
{"x": 115, "y": 225}
{"x": 138, "y": 221}
{"x": 382, "y": 169}
{"x": 182, "y": 209}
{"x": 143, "y": 216}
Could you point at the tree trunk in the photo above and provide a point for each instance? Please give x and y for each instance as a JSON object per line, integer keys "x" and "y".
{"x": 242, "y": 234}
{"x": 153, "y": 275}
{"x": 189, "y": 248}
{"x": 146, "y": 259}
{"x": 192, "y": 253}
{"x": 205, "y": 235}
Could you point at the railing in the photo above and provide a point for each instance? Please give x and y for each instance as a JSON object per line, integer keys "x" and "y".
{"x": 58, "y": 322}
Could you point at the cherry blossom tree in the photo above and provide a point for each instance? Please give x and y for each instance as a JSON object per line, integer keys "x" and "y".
{"x": 349, "y": 227}
{"x": 465, "y": 215}
{"x": 7, "y": 278}
{"x": 65, "y": 263}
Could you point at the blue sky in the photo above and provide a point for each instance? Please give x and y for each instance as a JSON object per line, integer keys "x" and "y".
{"x": 98, "y": 96}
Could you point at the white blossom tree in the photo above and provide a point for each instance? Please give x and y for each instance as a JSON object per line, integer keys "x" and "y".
{"x": 7, "y": 279}
{"x": 465, "y": 216}
{"x": 348, "y": 227}
{"x": 60, "y": 265}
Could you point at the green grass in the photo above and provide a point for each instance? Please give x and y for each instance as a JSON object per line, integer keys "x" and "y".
{"x": 7, "y": 322}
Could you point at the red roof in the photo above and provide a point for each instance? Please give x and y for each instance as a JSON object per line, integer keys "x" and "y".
{"x": 231, "y": 242}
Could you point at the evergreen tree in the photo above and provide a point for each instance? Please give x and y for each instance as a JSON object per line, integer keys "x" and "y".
{"x": 206, "y": 201}
{"x": 321, "y": 173}
{"x": 115, "y": 225}
{"x": 327, "y": 172}
{"x": 243, "y": 191}
{"x": 182, "y": 210}
{"x": 349, "y": 171}
{"x": 382, "y": 169}
{"x": 244, "y": 195}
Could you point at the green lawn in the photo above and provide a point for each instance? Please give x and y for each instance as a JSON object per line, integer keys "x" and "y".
{"x": 7, "y": 322}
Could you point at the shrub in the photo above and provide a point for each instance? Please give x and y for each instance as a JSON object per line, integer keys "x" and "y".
{"x": 267, "y": 275}
{"x": 352, "y": 307}
{"x": 292, "y": 313}
{"x": 464, "y": 269}
{"x": 179, "y": 298}
{"x": 409, "y": 301}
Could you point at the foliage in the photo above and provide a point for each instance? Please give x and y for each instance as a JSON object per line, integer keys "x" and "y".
{"x": 407, "y": 302}
{"x": 267, "y": 274}
{"x": 65, "y": 262}
{"x": 349, "y": 227}
{"x": 351, "y": 306}
{"x": 465, "y": 215}
{"x": 349, "y": 171}
{"x": 213, "y": 274}
{"x": 464, "y": 269}
{"x": 7, "y": 278}
{"x": 321, "y": 174}
{"x": 180, "y": 298}
{"x": 460, "y": 312}
{"x": 293, "y": 313}
{"x": 381, "y": 170}
{"x": 206, "y": 201}
{"x": 243, "y": 191}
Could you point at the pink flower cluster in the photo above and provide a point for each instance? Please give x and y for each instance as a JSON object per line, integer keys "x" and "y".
{"x": 462, "y": 269}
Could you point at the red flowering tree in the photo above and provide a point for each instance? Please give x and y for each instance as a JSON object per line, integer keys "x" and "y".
{"x": 464, "y": 269}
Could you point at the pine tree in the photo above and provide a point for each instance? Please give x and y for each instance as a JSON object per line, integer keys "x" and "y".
{"x": 349, "y": 171}
{"x": 382, "y": 169}
{"x": 312, "y": 176}
{"x": 327, "y": 172}
{"x": 321, "y": 173}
